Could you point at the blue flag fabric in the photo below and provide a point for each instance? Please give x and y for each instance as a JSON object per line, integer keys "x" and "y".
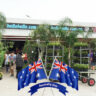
{"x": 55, "y": 72}
{"x": 31, "y": 74}
{"x": 64, "y": 74}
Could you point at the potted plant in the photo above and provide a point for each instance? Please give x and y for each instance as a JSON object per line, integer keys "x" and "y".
{"x": 80, "y": 44}
{"x": 80, "y": 67}
{"x": 84, "y": 53}
{"x": 1, "y": 75}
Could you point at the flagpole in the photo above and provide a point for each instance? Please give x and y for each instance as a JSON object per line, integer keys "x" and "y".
{"x": 43, "y": 66}
{"x": 52, "y": 66}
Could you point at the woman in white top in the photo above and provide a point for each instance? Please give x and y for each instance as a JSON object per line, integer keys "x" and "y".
{"x": 7, "y": 61}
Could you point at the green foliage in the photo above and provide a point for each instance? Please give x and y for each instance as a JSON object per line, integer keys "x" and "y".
{"x": 7, "y": 45}
{"x": 56, "y": 43}
{"x": 1, "y": 58}
{"x": 43, "y": 33}
{"x": 48, "y": 67}
{"x": 85, "y": 60}
{"x": 76, "y": 60}
{"x": 84, "y": 52}
{"x": 68, "y": 37}
{"x": 80, "y": 67}
{"x": 31, "y": 50}
{"x": 2, "y": 21}
{"x": 93, "y": 44}
{"x": 25, "y": 65}
{"x": 1, "y": 75}
{"x": 1, "y": 46}
{"x": 2, "y": 26}
{"x": 80, "y": 44}
{"x": 65, "y": 21}
{"x": 65, "y": 59}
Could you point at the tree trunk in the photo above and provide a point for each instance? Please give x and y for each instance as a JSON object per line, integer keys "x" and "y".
{"x": 41, "y": 53}
{"x": 69, "y": 56}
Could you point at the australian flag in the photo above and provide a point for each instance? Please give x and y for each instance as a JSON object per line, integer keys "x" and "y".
{"x": 64, "y": 74}
{"x": 31, "y": 74}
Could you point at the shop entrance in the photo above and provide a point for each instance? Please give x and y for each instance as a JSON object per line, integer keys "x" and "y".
{"x": 18, "y": 45}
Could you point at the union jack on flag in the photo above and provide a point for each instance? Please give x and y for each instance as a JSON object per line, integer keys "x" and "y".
{"x": 36, "y": 65}
{"x": 62, "y": 67}
{"x": 64, "y": 74}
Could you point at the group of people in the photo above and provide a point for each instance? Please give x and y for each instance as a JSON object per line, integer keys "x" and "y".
{"x": 13, "y": 61}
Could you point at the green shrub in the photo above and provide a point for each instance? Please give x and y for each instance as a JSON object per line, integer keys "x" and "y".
{"x": 54, "y": 43}
{"x": 1, "y": 58}
{"x": 80, "y": 67}
{"x": 49, "y": 66}
{"x": 1, "y": 75}
{"x": 80, "y": 44}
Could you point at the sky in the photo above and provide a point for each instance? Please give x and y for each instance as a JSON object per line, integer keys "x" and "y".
{"x": 77, "y": 10}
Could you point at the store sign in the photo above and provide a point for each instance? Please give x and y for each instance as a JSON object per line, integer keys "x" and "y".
{"x": 68, "y": 28}
{"x": 21, "y": 26}
{"x": 33, "y": 27}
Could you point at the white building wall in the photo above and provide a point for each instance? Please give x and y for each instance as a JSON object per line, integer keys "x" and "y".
{"x": 16, "y": 32}
{"x": 25, "y": 32}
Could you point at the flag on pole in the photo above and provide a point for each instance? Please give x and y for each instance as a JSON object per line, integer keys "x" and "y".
{"x": 31, "y": 74}
{"x": 64, "y": 74}
{"x": 55, "y": 72}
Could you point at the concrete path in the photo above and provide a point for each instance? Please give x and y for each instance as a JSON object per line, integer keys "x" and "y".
{"x": 8, "y": 87}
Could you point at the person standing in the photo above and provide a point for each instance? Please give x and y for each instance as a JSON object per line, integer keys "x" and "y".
{"x": 7, "y": 61}
{"x": 19, "y": 63}
{"x": 12, "y": 60}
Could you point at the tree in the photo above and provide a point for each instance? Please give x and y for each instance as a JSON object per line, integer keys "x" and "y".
{"x": 42, "y": 35}
{"x": 68, "y": 37}
{"x": 2, "y": 26}
{"x": 2, "y": 21}
{"x": 93, "y": 44}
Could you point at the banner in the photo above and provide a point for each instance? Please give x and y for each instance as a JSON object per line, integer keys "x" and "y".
{"x": 35, "y": 88}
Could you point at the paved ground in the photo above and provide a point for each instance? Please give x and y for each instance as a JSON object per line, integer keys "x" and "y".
{"x": 8, "y": 87}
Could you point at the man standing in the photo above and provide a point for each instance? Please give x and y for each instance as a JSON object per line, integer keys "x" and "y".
{"x": 19, "y": 63}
